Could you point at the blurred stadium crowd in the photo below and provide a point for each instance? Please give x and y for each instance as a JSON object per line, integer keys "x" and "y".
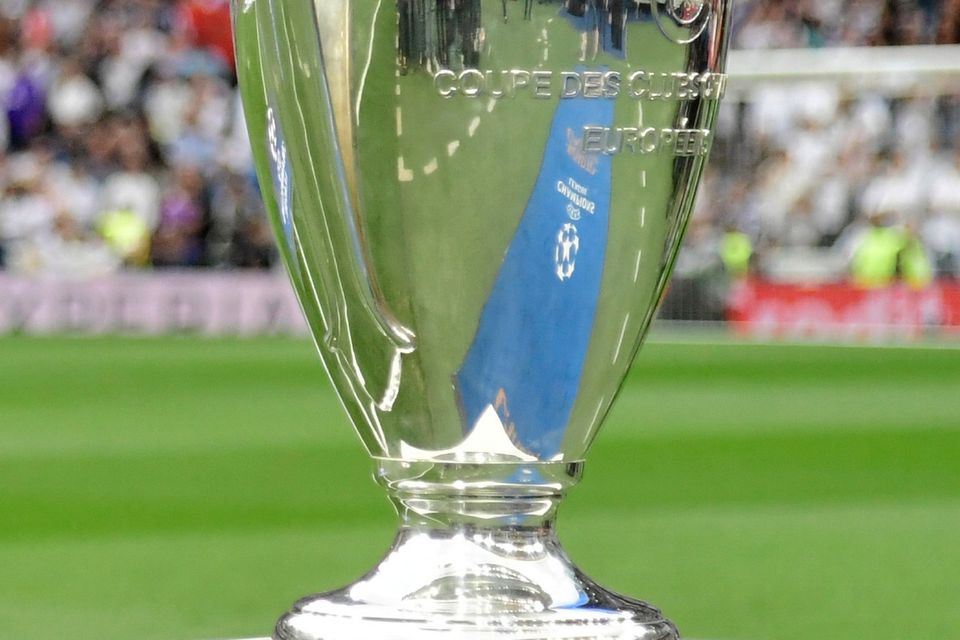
{"x": 808, "y": 182}
{"x": 122, "y": 139}
{"x": 123, "y": 144}
{"x": 785, "y": 24}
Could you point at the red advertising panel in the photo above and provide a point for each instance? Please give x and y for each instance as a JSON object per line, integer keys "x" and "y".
{"x": 840, "y": 310}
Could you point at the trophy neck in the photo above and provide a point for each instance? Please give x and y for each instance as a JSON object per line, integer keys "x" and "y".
{"x": 456, "y": 497}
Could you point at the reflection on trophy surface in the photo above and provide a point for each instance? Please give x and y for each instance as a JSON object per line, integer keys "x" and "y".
{"x": 479, "y": 203}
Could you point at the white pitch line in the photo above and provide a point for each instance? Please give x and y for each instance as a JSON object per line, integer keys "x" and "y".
{"x": 366, "y": 67}
{"x": 399, "y": 122}
{"x": 431, "y": 166}
{"x": 452, "y": 147}
{"x": 643, "y": 217}
{"x": 491, "y": 105}
{"x": 596, "y": 414}
{"x": 636, "y": 270}
{"x": 473, "y": 126}
{"x": 623, "y": 335}
{"x": 643, "y": 178}
{"x": 403, "y": 174}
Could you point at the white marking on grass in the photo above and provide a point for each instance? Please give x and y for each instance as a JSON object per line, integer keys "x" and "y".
{"x": 452, "y": 147}
{"x": 431, "y": 166}
{"x": 399, "y": 122}
{"x": 403, "y": 174}
{"x": 623, "y": 335}
{"x": 636, "y": 269}
{"x": 593, "y": 420}
{"x": 491, "y": 105}
{"x": 366, "y": 67}
{"x": 474, "y": 124}
{"x": 643, "y": 217}
{"x": 643, "y": 178}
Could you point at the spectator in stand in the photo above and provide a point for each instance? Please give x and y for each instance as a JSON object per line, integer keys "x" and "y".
{"x": 876, "y": 253}
{"x": 736, "y": 251}
{"x": 25, "y": 107}
{"x": 913, "y": 262}
{"x": 899, "y": 188}
{"x": 127, "y": 235}
{"x": 68, "y": 250}
{"x": 76, "y": 192}
{"x": 74, "y": 100}
{"x": 948, "y": 21}
{"x": 253, "y": 245}
{"x": 166, "y": 102}
{"x": 27, "y": 212}
{"x": 239, "y": 233}
{"x": 941, "y": 230}
{"x": 206, "y": 25}
{"x": 134, "y": 186}
{"x": 178, "y": 241}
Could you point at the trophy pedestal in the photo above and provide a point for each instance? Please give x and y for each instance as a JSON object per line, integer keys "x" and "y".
{"x": 384, "y": 625}
{"x": 477, "y": 560}
{"x": 516, "y": 584}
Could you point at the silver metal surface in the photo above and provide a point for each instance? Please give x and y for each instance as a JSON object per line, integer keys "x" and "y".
{"x": 479, "y": 203}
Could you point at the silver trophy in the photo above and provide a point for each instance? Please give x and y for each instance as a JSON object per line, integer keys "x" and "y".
{"x": 479, "y": 203}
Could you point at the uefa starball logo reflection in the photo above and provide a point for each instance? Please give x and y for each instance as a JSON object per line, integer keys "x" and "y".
{"x": 568, "y": 245}
{"x": 682, "y": 21}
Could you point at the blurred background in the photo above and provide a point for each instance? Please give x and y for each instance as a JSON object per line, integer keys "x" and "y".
{"x": 784, "y": 458}
{"x": 832, "y": 205}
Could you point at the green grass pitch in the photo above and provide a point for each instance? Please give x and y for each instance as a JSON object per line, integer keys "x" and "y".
{"x": 188, "y": 489}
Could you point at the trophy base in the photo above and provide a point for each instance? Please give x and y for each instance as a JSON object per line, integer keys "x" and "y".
{"x": 513, "y": 584}
{"x": 477, "y": 557}
{"x": 387, "y": 625}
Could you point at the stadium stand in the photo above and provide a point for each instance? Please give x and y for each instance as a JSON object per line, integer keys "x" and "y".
{"x": 805, "y": 166}
{"x": 806, "y": 170}
{"x": 123, "y": 145}
{"x": 123, "y": 142}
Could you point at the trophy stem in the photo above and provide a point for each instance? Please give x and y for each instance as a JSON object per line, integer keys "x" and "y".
{"x": 476, "y": 554}
{"x": 482, "y": 496}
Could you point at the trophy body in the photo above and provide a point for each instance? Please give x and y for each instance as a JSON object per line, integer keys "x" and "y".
{"x": 478, "y": 203}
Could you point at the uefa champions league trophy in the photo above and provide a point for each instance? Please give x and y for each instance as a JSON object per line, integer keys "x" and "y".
{"x": 479, "y": 203}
